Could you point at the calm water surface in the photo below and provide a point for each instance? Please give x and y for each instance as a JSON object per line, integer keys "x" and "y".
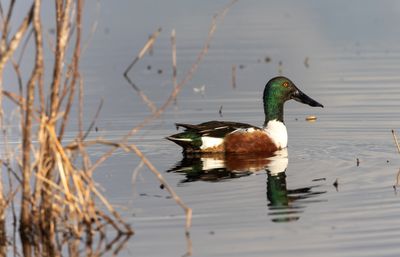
{"x": 253, "y": 206}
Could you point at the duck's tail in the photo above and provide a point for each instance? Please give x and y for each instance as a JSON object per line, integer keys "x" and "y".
{"x": 187, "y": 140}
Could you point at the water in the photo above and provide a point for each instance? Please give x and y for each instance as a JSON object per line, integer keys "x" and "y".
{"x": 352, "y": 70}
{"x": 354, "y": 58}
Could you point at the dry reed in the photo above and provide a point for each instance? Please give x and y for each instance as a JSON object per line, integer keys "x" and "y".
{"x": 60, "y": 204}
{"x": 395, "y": 141}
{"x": 148, "y": 45}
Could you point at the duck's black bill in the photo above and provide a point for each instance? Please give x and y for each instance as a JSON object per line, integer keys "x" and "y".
{"x": 305, "y": 99}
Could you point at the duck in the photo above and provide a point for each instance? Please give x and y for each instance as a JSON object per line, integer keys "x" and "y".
{"x": 242, "y": 138}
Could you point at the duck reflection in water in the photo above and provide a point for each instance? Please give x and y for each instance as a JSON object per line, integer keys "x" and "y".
{"x": 284, "y": 204}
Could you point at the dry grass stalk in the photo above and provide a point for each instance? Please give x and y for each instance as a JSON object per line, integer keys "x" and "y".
{"x": 398, "y": 150}
{"x": 147, "y": 46}
{"x": 6, "y": 52}
{"x": 8, "y": 49}
{"x": 397, "y": 179}
{"x": 144, "y": 50}
{"x": 27, "y": 126}
{"x": 63, "y": 27}
{"x": 6, "y": 25}
{"x": 74, "y": 67}
{"x": 395, "y": 141}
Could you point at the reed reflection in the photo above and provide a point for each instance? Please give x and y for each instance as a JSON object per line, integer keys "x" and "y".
{"x": 284, "y": 204}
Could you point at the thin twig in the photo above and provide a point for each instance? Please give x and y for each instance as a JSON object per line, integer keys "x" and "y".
{"x": 20, "y": 86}
{"x": 397, "y": 179}
{"x": 9, "y": 169}
{"x": 395, "y": 140}
{"x": 142, "y": 52}
{"x": 136, "y": 171}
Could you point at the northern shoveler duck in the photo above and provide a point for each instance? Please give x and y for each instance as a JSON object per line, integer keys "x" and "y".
{"x": 235, "y": 137}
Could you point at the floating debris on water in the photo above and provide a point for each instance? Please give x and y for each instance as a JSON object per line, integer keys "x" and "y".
{"x": 318, "y": 179}
{"x": 159, "y": 71}
{"x": 267, "y": 59}
{"x": 311, "y": 118}
{"x": 200, "y": 89}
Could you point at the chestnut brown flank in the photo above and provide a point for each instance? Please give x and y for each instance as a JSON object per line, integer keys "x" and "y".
{"x": 242, "y": 142}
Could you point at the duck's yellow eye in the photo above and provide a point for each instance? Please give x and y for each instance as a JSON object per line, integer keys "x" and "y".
{"x": 285, "y": 84}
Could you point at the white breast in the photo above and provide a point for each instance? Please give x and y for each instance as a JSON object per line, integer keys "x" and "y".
{"x": 276, "y": 130}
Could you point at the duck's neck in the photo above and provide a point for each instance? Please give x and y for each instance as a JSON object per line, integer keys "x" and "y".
{"x": 273, "y": 109}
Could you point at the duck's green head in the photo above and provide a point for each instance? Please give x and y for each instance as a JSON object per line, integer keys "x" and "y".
{"x": 279, "y": 90}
